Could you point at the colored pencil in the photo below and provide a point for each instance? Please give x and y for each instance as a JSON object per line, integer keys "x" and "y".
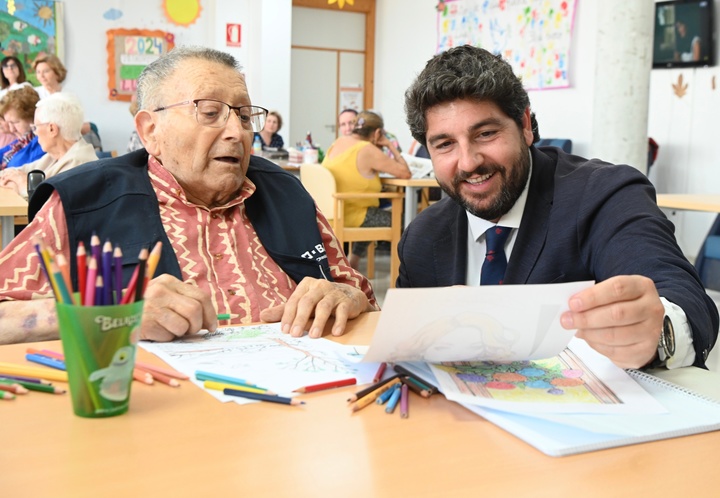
{"x": 226, "y": 316}
{"x": 43, "y": 388}
{"x": 380, "y": 372}
{"x": 143, "y": 376}
{"x": 6, "y": 395}
{"x": 30, "y": 371}
{"x": 202, "y": 375}
{"x": 20, "y": 378}
{"x": 91, "y": 279}
{"x": 46, "y": 360}
{"x": 382, "y": 399}
{"x": 64, "y": 293}
{"x": 81, "y": 260}
{"x": 393, "y": 401}
{"x": 167, "y": 371}
{"x": 152, "y": 263}
{"x": 45, "y": 259}
{"x": 107, "y": 259}
{"x": 327, "y": 385}
{"x": 415, "y": 387}
{"x": 404, "y": 401}
{"x": 219, "y": 386}
{"x": 370, "y": 388}
{"x": 263, "y": 397}
{"x": 95, "y": 251}
{"x": 142, "y": 267}
{"x": 45, "y": 352}
{"x": 369, "y": 398}
{"x": 99, "y": 290}
{"x": 130, "y": 290}
{"x": 64, "y": 267}
{"x": 118, "y": 280}
{"x": 13, "y": 387}
{"x": 404, "y": 371}
{"x": 165, "y": 379}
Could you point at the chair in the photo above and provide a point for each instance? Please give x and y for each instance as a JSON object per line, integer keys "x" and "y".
{"x": 320, "y": 183}
{"x": 561, "y": 143}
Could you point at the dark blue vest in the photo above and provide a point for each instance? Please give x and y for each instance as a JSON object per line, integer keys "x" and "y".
{"x": 114, "y": 199}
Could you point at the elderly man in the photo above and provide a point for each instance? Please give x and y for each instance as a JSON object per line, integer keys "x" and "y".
{"x": 58, "y": 120}
{"x": 544, "y": 217}
{"x": 239, "y": 234}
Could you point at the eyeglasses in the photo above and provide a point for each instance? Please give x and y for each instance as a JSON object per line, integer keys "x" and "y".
{"x": 214, "y": 113}
{"x": 34, "y": 127}
{"x": 10, "y": 65}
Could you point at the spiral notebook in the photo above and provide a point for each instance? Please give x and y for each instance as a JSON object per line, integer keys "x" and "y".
{"x": 567, "y": 434}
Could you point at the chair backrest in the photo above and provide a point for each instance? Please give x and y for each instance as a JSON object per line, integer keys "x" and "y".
{"x": 320, "y": 183}
{"x": 561, "y": 143}
{"x": 707, "y": 262}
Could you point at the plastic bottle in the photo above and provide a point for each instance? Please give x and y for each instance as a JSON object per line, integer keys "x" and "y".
{"x": 257, "y": 146}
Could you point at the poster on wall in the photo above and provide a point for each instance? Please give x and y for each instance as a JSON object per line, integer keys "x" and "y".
{"x": 129, "y": 51}
{"x": 30, "y": 28}
{"x": 351, "y": 97}
{"x": 533, "y": 36}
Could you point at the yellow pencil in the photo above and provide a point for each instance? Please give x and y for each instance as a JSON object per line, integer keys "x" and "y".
{"x": 34, "y": 372}
{"x": 219, "y": 386}
{"x": 372, "y": 396}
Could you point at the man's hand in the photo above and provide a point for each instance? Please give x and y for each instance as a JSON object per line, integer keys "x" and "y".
{"x": 173, "y": 308}
{"x": 621, "y": 318}
{"x": 321, "y": 299}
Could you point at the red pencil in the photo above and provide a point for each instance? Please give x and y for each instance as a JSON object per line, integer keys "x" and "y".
{"x": 91, "y": 282}
{"x": 327, "y": 385}
{"x": 380, "y": 372}
{"x": 82, "y": 270}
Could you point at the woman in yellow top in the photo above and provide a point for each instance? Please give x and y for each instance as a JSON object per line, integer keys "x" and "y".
{"x": 355, "y": 162}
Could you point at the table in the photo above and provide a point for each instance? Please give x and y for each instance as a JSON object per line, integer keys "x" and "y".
{"x": 182, "y": 442}
{"x": 411, "y": 187}
{"x": 692, "y": 202}
{"x": 11, "y": 205}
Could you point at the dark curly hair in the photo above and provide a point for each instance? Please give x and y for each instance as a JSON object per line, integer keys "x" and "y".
{"x": 468, "y": 73}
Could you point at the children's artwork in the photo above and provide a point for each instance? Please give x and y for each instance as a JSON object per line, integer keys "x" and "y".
{"x": 30, "y": 28}
{"x": 534, "y": 37}
{"x": 578, "y": 380}
{"x": 263, "y": 355}
{"x": 129, "y": 51}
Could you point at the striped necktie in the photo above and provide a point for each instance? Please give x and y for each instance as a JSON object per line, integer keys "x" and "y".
{"x": 495, "y": 264}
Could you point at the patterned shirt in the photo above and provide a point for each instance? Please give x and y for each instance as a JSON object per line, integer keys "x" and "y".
{"x": 217, "y": 249}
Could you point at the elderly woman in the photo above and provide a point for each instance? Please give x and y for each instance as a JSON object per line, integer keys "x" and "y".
{"x": 355, "y": 161}
{"x": 57, "y": 124}
{"x": 18, "y": 111}
{"x": 50, "y": 73}
{"x": 12, "y": 76}
{"x": 269, "y": 134}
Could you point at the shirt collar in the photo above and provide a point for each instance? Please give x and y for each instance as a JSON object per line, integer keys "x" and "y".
{"x": 512, "y": 218}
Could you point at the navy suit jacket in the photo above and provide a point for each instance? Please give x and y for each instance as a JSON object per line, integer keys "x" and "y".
{"x": 583, "y": 220}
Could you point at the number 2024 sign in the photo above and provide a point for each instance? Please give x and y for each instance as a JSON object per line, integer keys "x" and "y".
{"x": 129, "y": 51}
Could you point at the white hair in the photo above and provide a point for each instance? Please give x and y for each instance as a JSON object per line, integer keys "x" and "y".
{"x": 65, "y": 111}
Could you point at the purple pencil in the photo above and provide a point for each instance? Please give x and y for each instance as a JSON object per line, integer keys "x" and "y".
{"x": 107, "y": 254}
{"x": 404, "y": 401}
{"x": 117, "y": 261}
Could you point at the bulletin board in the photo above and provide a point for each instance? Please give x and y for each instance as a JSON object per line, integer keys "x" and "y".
{"x": 29, "y": 29}
{"x": 532, "y": 35}
{"x": 128, "y": 52}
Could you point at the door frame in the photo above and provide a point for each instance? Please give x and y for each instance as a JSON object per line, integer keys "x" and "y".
{"x": 366, "y": 7}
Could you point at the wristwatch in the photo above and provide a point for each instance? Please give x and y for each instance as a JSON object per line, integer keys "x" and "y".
{"x": 666, "y": 345}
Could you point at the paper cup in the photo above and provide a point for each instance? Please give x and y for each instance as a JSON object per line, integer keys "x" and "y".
{"x": 99, "y": 345}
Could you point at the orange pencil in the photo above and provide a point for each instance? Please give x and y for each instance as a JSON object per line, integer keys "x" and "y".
{"x": 162, "y": 378}
{"x": 152, "y": 263}
{"x": 142, "y": 376}
{"x": 13, "y": 388}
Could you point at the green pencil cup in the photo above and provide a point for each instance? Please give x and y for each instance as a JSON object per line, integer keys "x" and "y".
{"x": 99, "y": 344}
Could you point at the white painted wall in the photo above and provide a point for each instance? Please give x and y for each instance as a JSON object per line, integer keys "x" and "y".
{"x": 406, "y": 34}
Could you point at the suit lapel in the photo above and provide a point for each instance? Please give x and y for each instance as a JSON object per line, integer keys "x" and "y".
{"x": 450, "y": 252}
{"x": 534, "y": 225}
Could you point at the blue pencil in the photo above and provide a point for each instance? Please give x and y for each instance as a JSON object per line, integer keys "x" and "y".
{"x": 382, "y": 399}
{"x": 392, "y": 403}
{"x": 46, "y": 360}
{"x": 202, "y": 375}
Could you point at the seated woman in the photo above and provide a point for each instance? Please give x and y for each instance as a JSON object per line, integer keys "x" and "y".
{"x": 18, "y": 110}
{"x": 12, "y": 76}
{"x": 355, "y": 161}
{"x": 269, "y": 134}
{"x": 50, "y": 72}
{"x": 58, "y": 120}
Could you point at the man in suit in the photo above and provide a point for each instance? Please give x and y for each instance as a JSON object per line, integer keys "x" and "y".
{"x": 570, "y": 219}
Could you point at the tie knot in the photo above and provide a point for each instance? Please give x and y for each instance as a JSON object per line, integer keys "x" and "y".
{"x": 496, "y": 236}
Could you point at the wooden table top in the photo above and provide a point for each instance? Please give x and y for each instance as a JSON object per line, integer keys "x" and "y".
{"x": 11, "y": 204}
{"x": 691, "y": 202}
{"x": 183, "y": 442}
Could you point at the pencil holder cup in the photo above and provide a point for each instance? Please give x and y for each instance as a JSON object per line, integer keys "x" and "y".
{"x": 99, "y": 344}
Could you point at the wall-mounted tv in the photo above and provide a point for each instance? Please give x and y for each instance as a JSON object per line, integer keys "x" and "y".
{"x": 684, "y": 34}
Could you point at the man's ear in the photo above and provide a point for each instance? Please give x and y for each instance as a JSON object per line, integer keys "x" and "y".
{"x": 147, "y": 131}
{"x": 527, "y": 127}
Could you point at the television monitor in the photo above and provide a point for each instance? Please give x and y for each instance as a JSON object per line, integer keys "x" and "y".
{"x": 684, "y": 34}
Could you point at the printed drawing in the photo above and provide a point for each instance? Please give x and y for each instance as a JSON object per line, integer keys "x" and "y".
{"x": 561, "y": 379}
{"x": 253, "y": 348}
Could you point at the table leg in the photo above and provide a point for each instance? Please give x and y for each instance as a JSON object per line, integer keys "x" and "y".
{"x": 411, "y": 205}
{"x": 8, "y": 229}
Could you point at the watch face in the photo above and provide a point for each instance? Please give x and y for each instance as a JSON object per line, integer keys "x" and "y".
{"x": 668, "y": 337}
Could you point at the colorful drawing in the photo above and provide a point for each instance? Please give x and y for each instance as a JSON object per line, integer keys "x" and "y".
{"x": 129, "y": 51}
{"x": 534, "y": 38}
{"x": 28, "y": 29}
{"x": 562, "y": 379}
